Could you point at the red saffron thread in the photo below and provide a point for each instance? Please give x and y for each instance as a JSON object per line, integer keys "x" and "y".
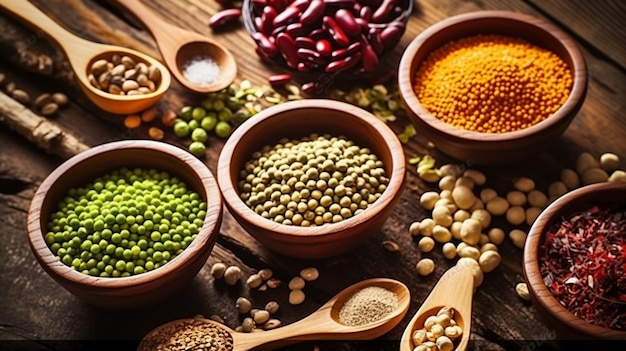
{"x": 583, "y": 263}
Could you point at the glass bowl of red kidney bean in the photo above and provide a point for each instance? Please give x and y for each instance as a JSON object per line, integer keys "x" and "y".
{"x": 326, "y": 38}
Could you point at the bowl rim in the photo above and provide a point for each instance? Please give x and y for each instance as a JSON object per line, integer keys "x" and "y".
{"x": 326, "y": 232}
{"x": 578, "y": 69}
{"x": 532, "y": 274}
{"x": 209, "y": 229}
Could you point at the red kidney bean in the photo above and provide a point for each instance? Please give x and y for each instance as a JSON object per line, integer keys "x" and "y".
{"x": 345, "y": 52}
{"x": 280, "y": 79}
{"x": 287, "y": 47}
{"x": 279, "y": 5}
{"x": 369, "y": 59}
{"x": 340, "y": 3}
{"x": 365, "y": 25}
{"x": 323, "y": 47}
{"x": 383, "y": 10}
{"x": 375, "y": 41}
{"x": 305, "y": 42}
{"x": 365, "y": 13}
{"x": 260, "y": 4}
{"x": 265, "y": 44}
{"x": 311, "y": 56}
{"x": 343, "y": 64}
{"x": 391, "y": 35}
{"x": 306, "y": 66}
{"x": 345, "y": 20}
{"x": 224, "y": 17}
{"x": 311, "y": 88}
{"x": 317, "y": 34}
{"x": 336, "y": 33}
{"x": 313, "y": 13}
{"x": 286, "y": 16}
{"x": 295, "y": 30}
{"x": 267, "y": 19}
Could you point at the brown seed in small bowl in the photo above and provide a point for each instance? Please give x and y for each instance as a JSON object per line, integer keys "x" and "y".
{"x": 293, "y": 120}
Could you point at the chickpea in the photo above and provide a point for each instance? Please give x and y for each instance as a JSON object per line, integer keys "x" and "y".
{"x": 475, "y": 269}
{"x": 425, "y": 266}
{"x": 441, "y": 216}
{"x": 609, "y": 161}
{"x": 426, "y": 244}
{"x": 489, "y": 260}
{"x": 449, "y": 250}
{"x": 468, "y": 251}
{"x": 470, "y": 231}
{"x": 444, "y": 343}
{"x": 428, "y": 199}
{"x": 537, "y": 199}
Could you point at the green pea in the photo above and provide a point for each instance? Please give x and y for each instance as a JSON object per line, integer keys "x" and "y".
{"x": 209, "y": 122}
{"x": 199, "y": 134}
{"x": 223, "y": 129}
{"x": 198, "y": 113}
{"x": 197, "y": 148}
{"x": 181, "y": 129}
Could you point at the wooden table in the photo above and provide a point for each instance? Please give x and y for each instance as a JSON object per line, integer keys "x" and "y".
{"x": 37, "y": 314}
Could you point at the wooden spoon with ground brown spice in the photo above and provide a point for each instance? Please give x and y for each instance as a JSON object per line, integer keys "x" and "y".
{"x": 323, "y": 324}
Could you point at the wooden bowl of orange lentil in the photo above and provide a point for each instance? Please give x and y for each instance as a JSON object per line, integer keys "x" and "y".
{"x": 491, "y": 87}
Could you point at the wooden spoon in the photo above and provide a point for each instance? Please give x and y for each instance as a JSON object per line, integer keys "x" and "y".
{"x": 180, "y": 47}
{"x": 322, "y": 324}
{"x": 82, "y": 53}
{"x": 455, "y": 288}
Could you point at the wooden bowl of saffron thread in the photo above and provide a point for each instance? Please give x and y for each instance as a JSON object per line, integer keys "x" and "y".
{"x": 567, "y": 325}
{"x": 490, "y": 147}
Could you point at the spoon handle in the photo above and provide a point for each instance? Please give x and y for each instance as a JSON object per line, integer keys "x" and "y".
{"x": 37, "y": 19}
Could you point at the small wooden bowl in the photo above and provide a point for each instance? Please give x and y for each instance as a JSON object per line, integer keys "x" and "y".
{"x": 492, "y": 148}
{"x": 567, "y": 325}
{"x": 294, "y": 120}
{"x": 137, "y": 290}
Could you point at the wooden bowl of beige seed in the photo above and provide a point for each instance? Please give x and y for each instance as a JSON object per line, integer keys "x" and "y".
{"x": 312, "y": 178}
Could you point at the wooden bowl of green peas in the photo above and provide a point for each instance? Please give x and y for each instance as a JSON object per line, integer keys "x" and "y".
{"x": 127, "y": 223}
{"x": 312, "y": 178}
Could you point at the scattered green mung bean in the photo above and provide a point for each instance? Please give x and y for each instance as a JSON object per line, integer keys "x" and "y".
{"x": 126, "y": 222}
{"x": 316, "y": 180}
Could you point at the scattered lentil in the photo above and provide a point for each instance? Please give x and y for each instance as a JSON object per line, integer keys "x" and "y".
{"x": 368, "y": 305}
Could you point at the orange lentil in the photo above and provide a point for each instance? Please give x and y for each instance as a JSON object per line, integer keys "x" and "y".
{"x": 492, "y": 83}
{"x": 132, "y": 121}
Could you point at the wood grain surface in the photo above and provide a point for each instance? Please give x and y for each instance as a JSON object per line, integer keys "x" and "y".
{"x": 35, "y": 313}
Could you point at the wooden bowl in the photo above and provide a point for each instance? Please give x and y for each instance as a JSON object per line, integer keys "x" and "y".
{"x": 294, "y": 120}
{"x": 567, "y": 325}
{"x": 145, "y": 288}
{"x": 492, "y": 148}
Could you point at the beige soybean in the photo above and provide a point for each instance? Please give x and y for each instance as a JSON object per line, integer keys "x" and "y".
{"x": 232, "y": 275}
{"x": 310, "y": 273}
{"x": 243, "y": 305}
{"x": 442, "y": 216}
{"x": 426, "y": 227}
{"x": 516, "y": 215}
{"x": 455, "y": 229}
{"x": 488, "y": 247}
{"x": 609, "y": 161}
{"x": 487, "y": 194}
{"x": 516, "y": 198}
{"x": 296, "y": 283}
{"x": 518, "y": 237}
{"x": 296, "y": 297}
{"x": 464, "y": 181}
{"x": 496, "y": 235}
{"x": 531, "y": 214}
{"x": 468, "y": 251}
{"x": 586, "y": 161}
{"x": 594, "y": 175}
{"x": 537, "y": 198}
{"x": 414, "y": 228}
{"x": 556, "y": 189}
{"x": 477, "y": 272}
{"x": 218, "y": 269}
{"x": 446, "y": 202}
{"x": 497, "y": 206}
{"x": 483, "y": 216}
{"x": 523, "y": 184}
{"x": 450, "y": 169}
{"x": 476, "y": 176}
{"x": 570, "y": 178}
{"x": 461, "y": 215}
{"x": 447, "y": 182}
